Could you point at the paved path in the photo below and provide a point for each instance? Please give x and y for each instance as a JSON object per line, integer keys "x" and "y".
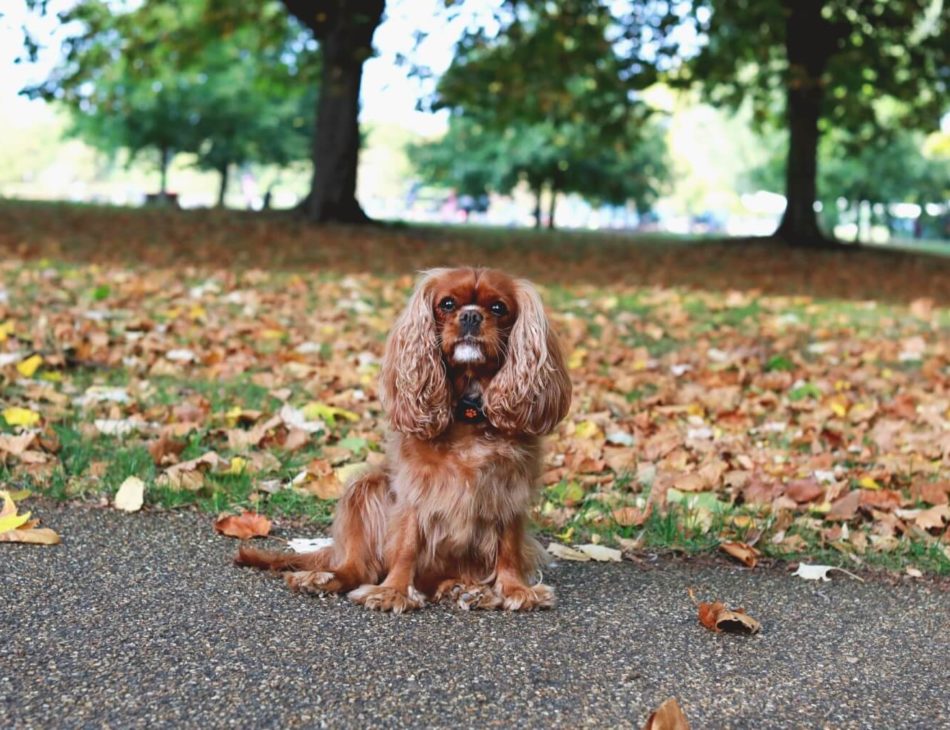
{"x": 141, "y": 621}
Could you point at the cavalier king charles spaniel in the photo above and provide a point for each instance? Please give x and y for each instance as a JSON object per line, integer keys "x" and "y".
{"x": 471, "y": 379}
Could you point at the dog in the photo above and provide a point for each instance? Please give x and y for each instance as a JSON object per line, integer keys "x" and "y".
{"x": 472, "y": 377}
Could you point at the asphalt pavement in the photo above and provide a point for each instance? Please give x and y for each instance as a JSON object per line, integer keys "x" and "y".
{"x": 141, "y": 621}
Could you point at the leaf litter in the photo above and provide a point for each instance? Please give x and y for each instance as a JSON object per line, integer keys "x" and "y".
{"x": 812, "y": 422}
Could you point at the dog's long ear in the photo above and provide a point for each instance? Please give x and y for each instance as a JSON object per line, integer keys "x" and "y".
{"x": 414, "y": 388}
{"x": 532, "y": 391}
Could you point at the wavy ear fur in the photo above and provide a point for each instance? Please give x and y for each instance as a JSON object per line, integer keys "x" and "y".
{"x": 532, "y": 391}
{"x": 414, "y": 388}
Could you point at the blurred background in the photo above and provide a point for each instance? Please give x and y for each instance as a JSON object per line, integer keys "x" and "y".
{"x": 815, "y": 119}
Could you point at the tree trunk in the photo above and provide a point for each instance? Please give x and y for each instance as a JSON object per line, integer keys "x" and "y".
{"x": 223, "y": 186}
{"x": 809, "y": 43}
{"x": 163, "y": 162}
{"x": 345, "y": 32}
{"x": 552, "y": 207}
{"x": 537, "y": 208}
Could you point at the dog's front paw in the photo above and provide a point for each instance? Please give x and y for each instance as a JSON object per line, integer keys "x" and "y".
{"x": 313, "y": 581}
{"x": 468, "y": 596}
{"x": 384, "y": 598}
{"x": 526, "y": 598}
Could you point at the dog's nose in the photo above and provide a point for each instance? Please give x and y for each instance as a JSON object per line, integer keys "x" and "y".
{"x": 470, "y": 320}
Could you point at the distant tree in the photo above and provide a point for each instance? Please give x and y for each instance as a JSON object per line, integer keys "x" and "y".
{"x": 548, "y": 100}
{"x": 166, "y": 78}
{"x": 832, "y": 62}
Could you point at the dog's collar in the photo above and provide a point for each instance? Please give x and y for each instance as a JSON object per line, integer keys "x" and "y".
{"x": 469, "y": 410}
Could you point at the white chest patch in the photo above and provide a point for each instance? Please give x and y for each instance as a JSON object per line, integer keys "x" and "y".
{"x": 467, "y": 352}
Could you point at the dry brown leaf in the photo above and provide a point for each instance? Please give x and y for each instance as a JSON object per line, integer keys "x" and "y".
{"x": 668, "y": 716}
{"x": 243, "y": 526}
{"x": 742, "y": 552}
{"x": 632, "y": 516}
{"x": 717, "y": 617}
{"x": 32, "y": 536}
{"x": 845, "y": 508}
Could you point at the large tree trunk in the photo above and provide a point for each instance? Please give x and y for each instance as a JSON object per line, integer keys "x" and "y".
{"x": 223, "y": 186}
{"x": 809, "y": 42}
{"x": 164, "y": 159}
{"x": 537, "y": 208}
{"x": 345, "y": 30}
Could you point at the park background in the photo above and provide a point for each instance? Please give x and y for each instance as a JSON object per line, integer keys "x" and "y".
{"x": 208, "y": 234}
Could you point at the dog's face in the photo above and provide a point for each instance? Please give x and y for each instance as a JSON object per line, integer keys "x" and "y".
{"x": 481, "y": 329}
{"x": 474, "y": 311}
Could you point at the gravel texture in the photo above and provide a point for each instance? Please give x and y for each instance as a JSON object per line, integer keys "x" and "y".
{"x": 142, "y": 621}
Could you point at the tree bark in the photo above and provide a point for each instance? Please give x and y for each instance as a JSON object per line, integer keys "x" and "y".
{"x": 345, "y": 30}
{"x": 809, "y": 43}
{"x": 537, "y": 208}
{"x": 552, "y": 208}
{"x": 223, "y": 186}
{"x": 163, "y": 161}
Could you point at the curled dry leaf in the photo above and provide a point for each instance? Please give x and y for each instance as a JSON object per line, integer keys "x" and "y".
{"x": 717, "y": 617}
{"x": 601, "y": 553}
{"x": 742, "y": 552}
{"x": 243, "y": 526}
{"x": 668, "y": 716}
{"x": 20, "y": 528}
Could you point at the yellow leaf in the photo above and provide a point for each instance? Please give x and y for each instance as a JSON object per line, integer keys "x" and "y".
{"x": 18, "y": 495}
{"x": 868, "y": 483}
{"x": 321, "y": 411}
{"x": 238, "y": 465}
{"x": 588, "y": 430}
{"x": 272, "y": 334}
{"x": 839, "y": 408}
{"x": 233, "y": 415}
{"x": 6, "y": 329}
{"x": 197, "y": 312}
{"x": 577, "y": 358}
{"x": 27, "y": 367}
{"x": 20, "y": 416}
{"x": 11, "y": 522}
{"x": 348, "y": 472}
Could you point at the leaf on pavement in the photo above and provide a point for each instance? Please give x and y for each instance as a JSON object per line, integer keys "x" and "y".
{"x": 131, "y": 495}
{"x": 742, "y": 552}
{"x": 19, "y": 528}
{"x": 601, "y": 553}
{"x": 565, "y": 552}
{"x": 668, "y": 716}
{"x": 243, "y": 526}
{"x": 717, "y": 617}
{"x": 820, "y": 572}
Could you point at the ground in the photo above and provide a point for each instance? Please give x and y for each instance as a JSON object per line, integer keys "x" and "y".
{"x": 141, "y": 620}
{"x": 737, "y": 392}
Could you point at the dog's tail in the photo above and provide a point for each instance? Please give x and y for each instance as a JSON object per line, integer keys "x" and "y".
{"x": 268, "y": 560}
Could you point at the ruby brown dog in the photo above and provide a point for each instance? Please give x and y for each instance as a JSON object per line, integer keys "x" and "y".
{"x": 472, "y": 378}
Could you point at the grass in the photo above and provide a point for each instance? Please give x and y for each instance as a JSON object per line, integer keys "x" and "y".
{"x": 644, "y": 317}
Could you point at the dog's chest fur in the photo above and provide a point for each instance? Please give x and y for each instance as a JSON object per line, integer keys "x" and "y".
{"x": 465, "y": 485}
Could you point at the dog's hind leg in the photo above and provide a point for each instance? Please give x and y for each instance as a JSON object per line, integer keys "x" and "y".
{"x": 359, "y": 528}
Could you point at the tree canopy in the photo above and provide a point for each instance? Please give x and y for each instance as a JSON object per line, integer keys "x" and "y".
{"x": 185, "y": 79}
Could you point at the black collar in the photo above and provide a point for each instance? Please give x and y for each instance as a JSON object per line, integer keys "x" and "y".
{"x": 469, "y": 410}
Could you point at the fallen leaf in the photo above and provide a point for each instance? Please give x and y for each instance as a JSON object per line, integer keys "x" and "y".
{"x": 820, "y": 572}
{"x": 131, "y": 495}
{"x": 742, "y": 552}
{"x": 20, "y": 416}
{"x": 32, "y": 536}
{"x": 308, "y": 545}
{"x": 601, "y": 553}
{"x": 845, "y": 508}
{"x": 243, "y": 526}
{"x": 19, "y": 528}
{"x": 717, "y": 617}
{"x": 567, "y": 553}
{"x": 27, "y": 368}
{"x": 668, "y": 716}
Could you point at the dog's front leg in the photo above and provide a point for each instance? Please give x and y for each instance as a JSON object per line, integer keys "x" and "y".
{"x": 396, "y": 593}
{"x": 511, "y": 573}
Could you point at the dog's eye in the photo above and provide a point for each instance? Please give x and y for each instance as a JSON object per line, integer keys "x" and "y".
{"x": 447, "y": 304}
{"x": 499, "y": 309}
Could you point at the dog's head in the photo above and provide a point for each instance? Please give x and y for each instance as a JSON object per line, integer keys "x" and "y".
{"x": 474, "y": 328}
